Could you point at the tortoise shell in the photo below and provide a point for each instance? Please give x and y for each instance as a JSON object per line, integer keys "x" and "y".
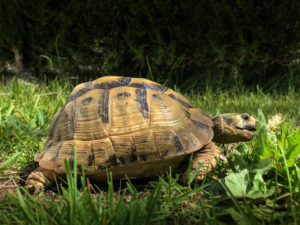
{"x": 130, "y": 126}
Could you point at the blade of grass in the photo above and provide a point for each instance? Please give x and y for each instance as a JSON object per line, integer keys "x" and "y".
{"x": 185, "y": 195}
{"x": 191, "y": 178}
{"x": 24, "y": 208}
{"x": 149, "y": 69}
{"x": 290, "y": 185}
{"x": 72, "y": 187}
{"x": 9, "y": 160}
{"x": 153, "y": 201}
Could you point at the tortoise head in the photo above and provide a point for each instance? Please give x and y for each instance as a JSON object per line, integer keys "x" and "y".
{"x": 233, "y": 127}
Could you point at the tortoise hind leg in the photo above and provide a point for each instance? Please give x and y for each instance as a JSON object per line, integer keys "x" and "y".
{"x": 39, "y": 179}
{"x": 208, "y": 156}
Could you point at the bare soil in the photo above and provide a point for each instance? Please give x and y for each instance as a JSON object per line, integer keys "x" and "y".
{"x": 9, "y": 182}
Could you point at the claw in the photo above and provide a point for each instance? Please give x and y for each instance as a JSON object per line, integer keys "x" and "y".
{"x": 224, "y": 158}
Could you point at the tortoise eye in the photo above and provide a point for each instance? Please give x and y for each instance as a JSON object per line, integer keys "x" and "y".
{"x": 245, "y": 116}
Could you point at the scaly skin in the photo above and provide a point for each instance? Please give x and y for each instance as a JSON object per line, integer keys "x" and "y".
{"x": 207, "y": 157}
{"x": 233, "y": 127}
{"x": 228, "y": 128}
{"x": 38, "y": 179}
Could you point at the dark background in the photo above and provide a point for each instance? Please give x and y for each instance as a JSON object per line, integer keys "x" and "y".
{"x": 189, "y": 43}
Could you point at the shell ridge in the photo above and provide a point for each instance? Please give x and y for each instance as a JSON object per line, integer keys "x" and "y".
{"x": 54, "y": 122}
{"x": 72, "y": 116}
{"x": 113, "y": 156}
{"x": 87, "y": 87}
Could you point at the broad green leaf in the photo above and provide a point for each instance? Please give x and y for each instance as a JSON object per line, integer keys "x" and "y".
{"x": 261, "y": 117}
{"x": 266, "y": 148}
{"x": 257, "y": 181}
{"x": 240, "y": 185}
{"x": 293, "y": 150}
{"x": 258, "y": 190}
{"x": 281, "y": 138}
{"x": 237, "y": 183}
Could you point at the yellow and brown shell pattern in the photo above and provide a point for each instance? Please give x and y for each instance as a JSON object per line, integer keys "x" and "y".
{"x": 130, "y": 126}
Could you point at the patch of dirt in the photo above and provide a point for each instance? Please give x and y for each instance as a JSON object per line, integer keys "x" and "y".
{"x": 9, "y": 182}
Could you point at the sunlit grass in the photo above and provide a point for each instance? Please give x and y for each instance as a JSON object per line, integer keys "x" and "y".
{"x": 261, "y": 179}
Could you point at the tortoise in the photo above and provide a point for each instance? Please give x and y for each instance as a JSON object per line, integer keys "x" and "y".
{"x": 134, "y": 127}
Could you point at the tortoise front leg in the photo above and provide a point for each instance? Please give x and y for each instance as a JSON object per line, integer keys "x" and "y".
{"x": 39, "y": 179}
{"x": 208, "y": 156}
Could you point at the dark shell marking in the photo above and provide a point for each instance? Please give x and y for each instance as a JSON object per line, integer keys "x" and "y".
{"x": 121, "y": 82}
{"x": 187, "y": 113}
{"x": 178, "y": 145}
{"x": 108, "y": 85}
{"x": 154, "y": 87}
{"x": 141, "y": 95}
{"x": 123, "y": 95}
{"x": 71, "y": 163}
{"x": 113, "y": 160}
{"x": 87, "y": 100}
{"x": 184, "y": 103}
{"x": 101, "y": 167}
{"x": 200, "y": 125}
{"x": 163, "y": 154}
{"x": 103, "y": 110}
{"x": 125, "y": 80}
{"x": 87, "y": 87}
{"x": 122, "y": 160}
{"x": 155, "y": 96}
{"x": 91, "y": 159}
{"x": 133, "y": 156}
{"x": 143, "y": 157}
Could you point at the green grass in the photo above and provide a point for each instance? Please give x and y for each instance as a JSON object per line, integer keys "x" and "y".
{"x": 260, "y": 184}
